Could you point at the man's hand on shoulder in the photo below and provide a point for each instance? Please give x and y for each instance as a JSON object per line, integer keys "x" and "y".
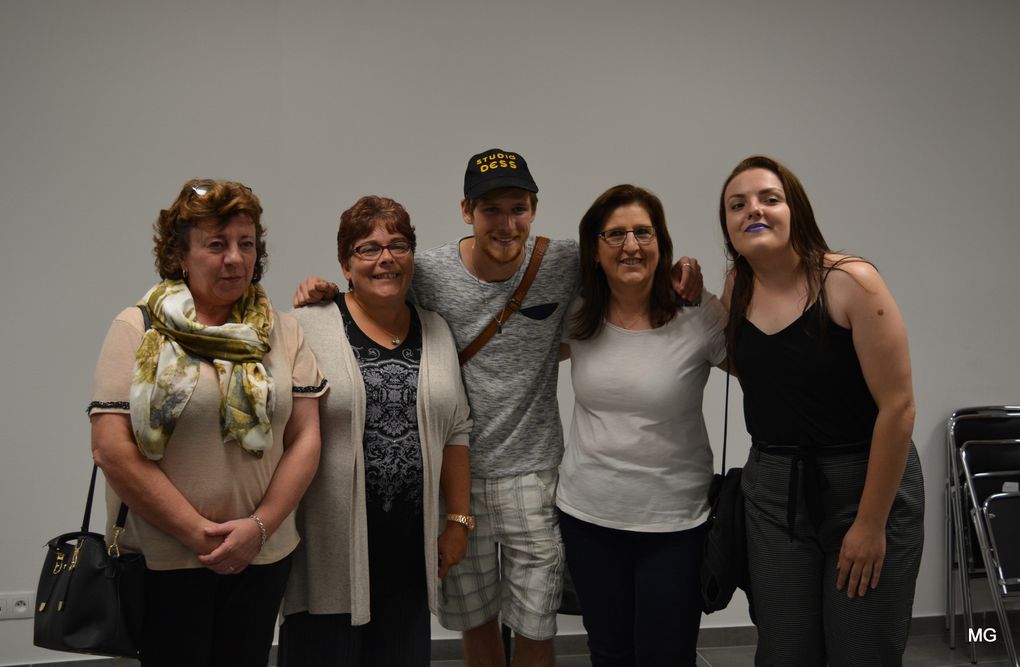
{"x": 314, "y": 290}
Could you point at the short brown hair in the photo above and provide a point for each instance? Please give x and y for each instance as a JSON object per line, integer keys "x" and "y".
{"x": 357, "y": 223}
{"x": 204, "y": 199}
{"x": 470, "y": 204}
{"x": 587, "y": 322}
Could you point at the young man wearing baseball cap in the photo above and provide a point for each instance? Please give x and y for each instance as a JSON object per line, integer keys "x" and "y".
{"x": 513, "y": 569}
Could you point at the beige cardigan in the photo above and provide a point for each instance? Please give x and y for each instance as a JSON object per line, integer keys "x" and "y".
{"x": 330, "y": 569}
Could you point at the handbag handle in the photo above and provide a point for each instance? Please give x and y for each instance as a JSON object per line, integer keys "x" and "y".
{"x": 725, "y": 423}
{"x": 123, "y": 512}
{"x": 88, "y": 501}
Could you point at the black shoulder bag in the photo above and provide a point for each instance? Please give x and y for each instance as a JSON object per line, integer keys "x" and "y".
{"x": 724, "y": 559}
{"x": 90, "y": 597}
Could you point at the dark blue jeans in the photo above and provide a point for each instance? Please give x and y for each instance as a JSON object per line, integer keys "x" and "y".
{"x": 639, "y": 592}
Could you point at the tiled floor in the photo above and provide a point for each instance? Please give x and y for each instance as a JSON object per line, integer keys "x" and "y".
{"x": 922, "y": 651}
{"x": 925, "y": 650}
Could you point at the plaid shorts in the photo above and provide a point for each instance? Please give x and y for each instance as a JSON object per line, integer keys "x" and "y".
{"x": 514, "y": 563}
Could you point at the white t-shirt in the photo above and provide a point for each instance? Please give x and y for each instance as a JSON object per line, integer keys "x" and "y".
{"x": 638, "y": 456}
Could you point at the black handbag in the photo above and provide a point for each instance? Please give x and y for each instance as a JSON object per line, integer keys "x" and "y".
{"x": 90, "y": 597}
{"x": 724, "y": 557}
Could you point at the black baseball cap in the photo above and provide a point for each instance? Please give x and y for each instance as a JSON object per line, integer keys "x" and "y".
{"x": 496, "y": 168}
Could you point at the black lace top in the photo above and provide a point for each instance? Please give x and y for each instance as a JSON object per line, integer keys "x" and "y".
{"x": 393, "y": 463}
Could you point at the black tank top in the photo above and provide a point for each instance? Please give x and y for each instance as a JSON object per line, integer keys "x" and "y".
{"x": 803, "y": 386}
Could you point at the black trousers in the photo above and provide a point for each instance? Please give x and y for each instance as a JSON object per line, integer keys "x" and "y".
{"x": 399, "y": 633}
{"x": 640, "y": 593}
{"x": 198, "y": 618}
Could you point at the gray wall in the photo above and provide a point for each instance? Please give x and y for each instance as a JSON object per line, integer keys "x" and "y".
{"x": 899, "y": 117}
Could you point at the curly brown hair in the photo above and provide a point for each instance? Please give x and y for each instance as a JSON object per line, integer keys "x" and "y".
{"x": 358, "y": 221}
{"x": 203, "y": 199}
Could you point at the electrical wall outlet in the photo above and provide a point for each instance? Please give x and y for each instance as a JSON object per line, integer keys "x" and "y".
{"x": 17, "y": 605}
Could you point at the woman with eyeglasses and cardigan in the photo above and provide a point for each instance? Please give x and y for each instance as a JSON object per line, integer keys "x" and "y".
{"x": 395, "y": 430}
{"x": 633, "y": 489}
{"x": 206, "y": 424}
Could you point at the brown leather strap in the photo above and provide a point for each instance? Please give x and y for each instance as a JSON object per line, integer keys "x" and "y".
{"x": 512, "y": 306}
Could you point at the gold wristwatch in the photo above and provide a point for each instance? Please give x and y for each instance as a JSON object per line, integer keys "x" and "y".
{"x": 466, "y": 520}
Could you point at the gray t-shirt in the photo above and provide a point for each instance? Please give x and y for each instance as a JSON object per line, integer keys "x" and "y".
{"x": 511, "y": 382}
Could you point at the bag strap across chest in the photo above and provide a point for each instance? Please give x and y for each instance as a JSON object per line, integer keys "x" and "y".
{"x": 512, "y": 306}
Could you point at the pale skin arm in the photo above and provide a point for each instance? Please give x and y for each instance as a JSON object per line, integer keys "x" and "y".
{"x": 686, "y": 273}
{"x": 241, "y": 537}
{"x": 144, "y": 487}
{"x": 455, "y": 482}
{"x": 859, "y": 295}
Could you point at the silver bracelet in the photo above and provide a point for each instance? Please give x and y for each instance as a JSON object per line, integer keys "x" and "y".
{"x": 262, "y": 529}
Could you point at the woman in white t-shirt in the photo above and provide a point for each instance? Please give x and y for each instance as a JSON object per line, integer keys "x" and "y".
{"x": 633, "y": 489}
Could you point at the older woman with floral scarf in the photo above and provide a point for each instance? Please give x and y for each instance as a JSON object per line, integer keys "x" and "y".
{"x": 205, "y": 422}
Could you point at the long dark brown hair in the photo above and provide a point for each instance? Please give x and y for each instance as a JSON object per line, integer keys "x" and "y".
{"x": 805, "y": 238}
{"x": 587, "y": 322}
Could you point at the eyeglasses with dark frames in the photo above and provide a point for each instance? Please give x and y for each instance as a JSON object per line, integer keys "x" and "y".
{"x": 617, "y": 237}
{"x": 372, "y": 251}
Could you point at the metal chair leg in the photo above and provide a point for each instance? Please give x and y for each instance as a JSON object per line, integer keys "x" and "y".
{"x": 948, "y": 531}
{"x": 1004, "y": 630}
{"x": 968, "y": 607}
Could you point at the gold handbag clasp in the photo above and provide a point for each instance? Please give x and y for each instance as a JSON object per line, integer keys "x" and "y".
{"x": 74, "y": 556}
{"x": 114, "y": 548}
{"x": 58, "y": 564}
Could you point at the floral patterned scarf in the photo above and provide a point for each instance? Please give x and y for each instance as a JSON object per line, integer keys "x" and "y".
{"x": 167, "y": 367}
